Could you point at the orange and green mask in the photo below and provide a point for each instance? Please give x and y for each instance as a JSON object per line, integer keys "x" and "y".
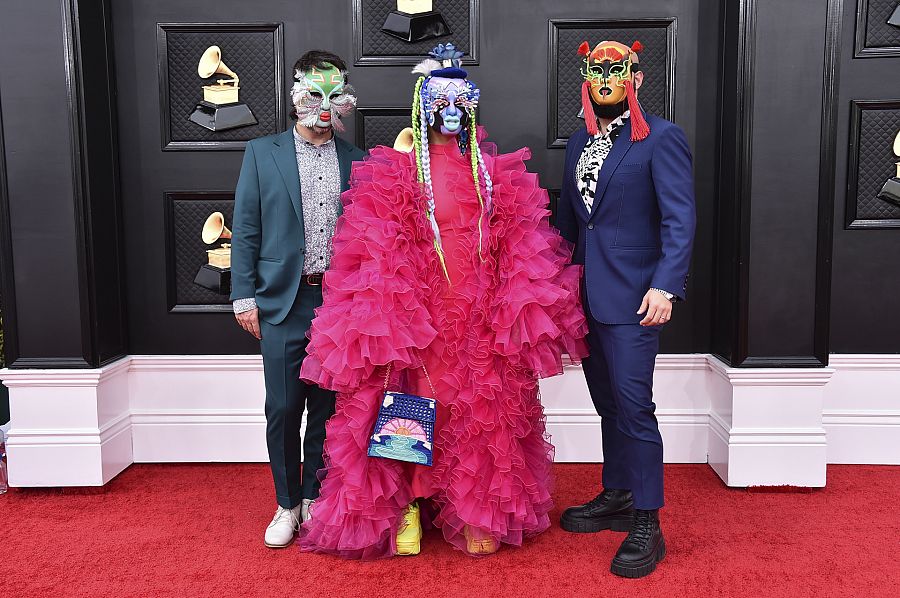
{"x": 608, "y": 72}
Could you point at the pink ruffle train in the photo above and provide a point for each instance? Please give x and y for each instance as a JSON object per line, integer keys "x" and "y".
{"x": 486, "y": 339}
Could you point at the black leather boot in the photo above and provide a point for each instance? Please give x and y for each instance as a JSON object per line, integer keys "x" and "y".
{"x": 611, "y": 509}
{"x": 642, "y": 549}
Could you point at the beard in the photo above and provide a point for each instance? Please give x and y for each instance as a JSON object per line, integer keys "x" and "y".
{"x": 609, "y": 110}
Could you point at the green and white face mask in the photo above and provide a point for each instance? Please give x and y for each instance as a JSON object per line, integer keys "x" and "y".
{"x": 321, "y": 97}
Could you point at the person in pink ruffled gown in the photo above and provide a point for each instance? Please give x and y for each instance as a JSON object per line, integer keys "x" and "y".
{"x": 444, "y": 255}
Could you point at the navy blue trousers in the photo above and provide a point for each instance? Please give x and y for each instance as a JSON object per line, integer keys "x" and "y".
{"x": 619, "y": 373}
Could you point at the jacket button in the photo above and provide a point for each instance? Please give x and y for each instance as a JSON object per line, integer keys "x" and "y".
{"x": 590, "y": 227}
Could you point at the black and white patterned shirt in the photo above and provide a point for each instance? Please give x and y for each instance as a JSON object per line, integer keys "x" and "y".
{"x": 320, "y": 185}
{"x": 587, "y": 171}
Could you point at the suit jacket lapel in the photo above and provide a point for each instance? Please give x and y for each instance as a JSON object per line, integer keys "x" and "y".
{"x": 344, "y": 162}
{"x": 285, "y": 155}
{"x": 620, "y": 147}
{"x": 581, "y": 208}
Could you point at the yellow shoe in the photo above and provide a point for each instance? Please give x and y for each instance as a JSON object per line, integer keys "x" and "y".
{"x": 409, "y": 534}
{"x": 477, "y": 545}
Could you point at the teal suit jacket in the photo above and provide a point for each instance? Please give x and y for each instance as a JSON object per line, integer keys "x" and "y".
{"x": 268, "y": 245}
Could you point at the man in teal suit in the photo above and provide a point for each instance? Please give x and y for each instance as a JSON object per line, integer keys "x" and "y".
{"x": 287, "y": 201}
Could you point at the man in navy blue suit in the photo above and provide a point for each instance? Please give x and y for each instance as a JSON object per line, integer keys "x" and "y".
{"x": 627, "y": 203}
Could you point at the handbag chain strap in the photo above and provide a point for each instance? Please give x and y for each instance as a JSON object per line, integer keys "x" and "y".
{"x": 387, "y": 376}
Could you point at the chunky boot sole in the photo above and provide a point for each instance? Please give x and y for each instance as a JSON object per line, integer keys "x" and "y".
{"x": 640, "y": 569}
{"x": 616, "y": 523}
{"x": 408, "y": 549}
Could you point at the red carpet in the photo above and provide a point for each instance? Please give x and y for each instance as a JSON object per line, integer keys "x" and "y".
{"x": 196, "y": 530}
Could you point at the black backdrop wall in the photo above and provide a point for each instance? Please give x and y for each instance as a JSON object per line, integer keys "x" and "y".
{"x": 98, "y": 206}
{"x": 512, "y": 72}
{"x": 866, "y": 106}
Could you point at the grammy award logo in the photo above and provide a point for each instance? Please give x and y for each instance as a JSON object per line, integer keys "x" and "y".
{"x": 415, "y": 21}
{"x": 215, "y": 275}
{"x": 890, "y": 192}
{"x": 214, "y": 229}
{"x": 220, "y": 109}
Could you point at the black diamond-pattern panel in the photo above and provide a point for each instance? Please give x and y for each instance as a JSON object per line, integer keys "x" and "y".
{"x": 250, "y": 54}
{"x": 654, "y": 90}
{"x": 189, "y": 250}
{"x": 381, "y": 129}
{"x": 375, "y": 42}
{"x": 878, "y": 33}
{"x": 876, "y": 163}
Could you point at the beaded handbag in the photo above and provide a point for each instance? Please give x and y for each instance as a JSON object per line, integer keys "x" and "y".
{"x": 404, "y": 429}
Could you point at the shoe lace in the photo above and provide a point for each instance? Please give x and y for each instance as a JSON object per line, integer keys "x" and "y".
{"x": 406, "y": 520}
{"x": 601, "y": 499}
{"x": 642, "y": 528}
{"x": 283, "y": 514}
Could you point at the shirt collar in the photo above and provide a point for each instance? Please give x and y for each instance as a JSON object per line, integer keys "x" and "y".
{"x": 616, "y": 124}
{"x": 303, "y": 142}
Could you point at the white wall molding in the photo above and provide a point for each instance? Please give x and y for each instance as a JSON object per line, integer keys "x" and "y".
{"x": 199, "y": 435}
{"x": 847, "y": 361}
{"x": 753, "y": 426}
{"x": 683, "y": 407}
{"x": 768, "y": 425}
{"x": 861, "y": 410}
{"x": 69, "y": 427}
{"x": 871, "y": 417}
{"x": 195, "y": 363}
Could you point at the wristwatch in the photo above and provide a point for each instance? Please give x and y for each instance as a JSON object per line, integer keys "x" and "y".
{"x": 665, "y": 294}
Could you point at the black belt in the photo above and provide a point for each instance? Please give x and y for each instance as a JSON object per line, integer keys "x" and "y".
{"x": 313, "y": 280}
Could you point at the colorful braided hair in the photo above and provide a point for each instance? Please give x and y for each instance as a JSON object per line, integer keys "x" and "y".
{"x": 420, "y": 123}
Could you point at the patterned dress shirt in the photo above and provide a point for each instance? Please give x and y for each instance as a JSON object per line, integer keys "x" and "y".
{"x": 587, "y": 172}
{"x": 320, "y": 184}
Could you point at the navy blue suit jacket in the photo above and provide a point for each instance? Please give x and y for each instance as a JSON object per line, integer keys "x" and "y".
{"x": 640, "y": 232}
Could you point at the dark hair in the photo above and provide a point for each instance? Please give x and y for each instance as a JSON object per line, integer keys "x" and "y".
{"x": 318, "y": 59}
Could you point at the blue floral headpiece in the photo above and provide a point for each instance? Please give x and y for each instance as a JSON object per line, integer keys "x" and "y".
{"x": 451, "y": 61}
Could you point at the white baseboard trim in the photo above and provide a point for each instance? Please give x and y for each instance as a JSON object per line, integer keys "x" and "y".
{"x": 753, "y": 426}
{"x": 863, "y": 437}
{"x": 767, "y": 425}
{"x": 861, "y": 411}
{"x": 69, "y": 427}
{"x": 199, "y": 435}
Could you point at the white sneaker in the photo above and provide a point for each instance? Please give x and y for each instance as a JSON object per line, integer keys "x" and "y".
{"x": 306, "y": 509}
{"x": 285, "y": 524}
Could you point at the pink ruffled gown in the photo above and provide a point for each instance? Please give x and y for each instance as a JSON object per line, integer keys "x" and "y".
{"x": 485, "y": 339}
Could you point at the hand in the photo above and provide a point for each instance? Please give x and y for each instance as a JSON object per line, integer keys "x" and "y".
{"x": 658, "y": 308}
{"x": 249, "y": 321}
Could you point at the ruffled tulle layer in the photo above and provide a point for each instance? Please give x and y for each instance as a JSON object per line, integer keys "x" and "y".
{"x": 505, "y": 323}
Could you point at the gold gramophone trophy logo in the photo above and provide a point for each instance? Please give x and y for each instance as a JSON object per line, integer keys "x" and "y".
{"x": 890, "y": 192}
{"x": 415, "y": 21}
{"x": 220, "y": 109}
{"x": 215, "y": 275}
